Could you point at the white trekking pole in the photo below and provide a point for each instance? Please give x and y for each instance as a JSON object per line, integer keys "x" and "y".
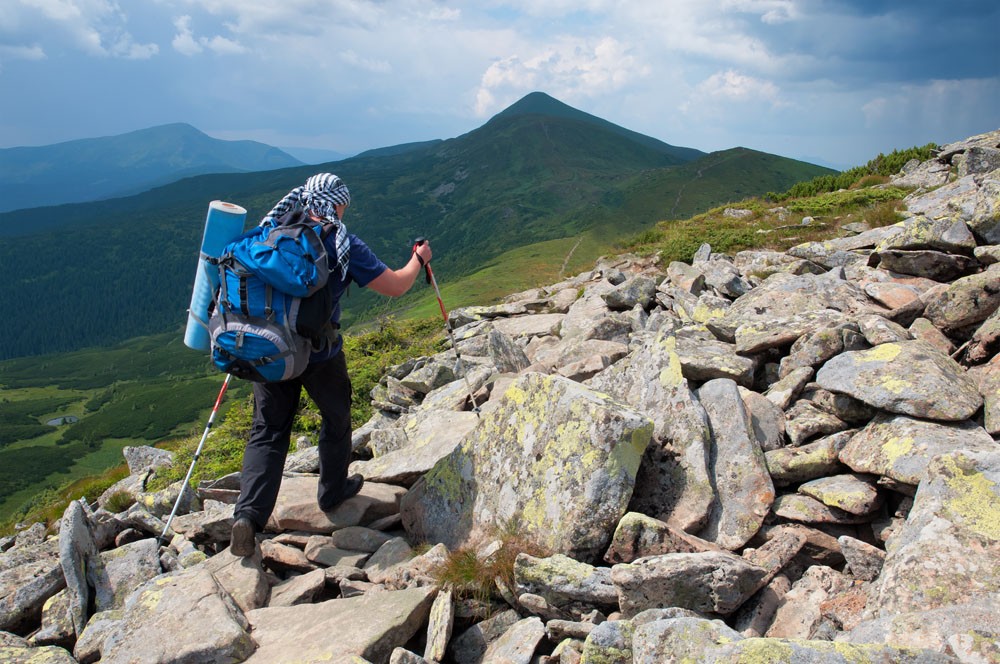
{"x": 197, "y": 453}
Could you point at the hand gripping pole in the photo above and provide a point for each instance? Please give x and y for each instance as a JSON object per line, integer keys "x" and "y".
{"x": 447, "y": 325}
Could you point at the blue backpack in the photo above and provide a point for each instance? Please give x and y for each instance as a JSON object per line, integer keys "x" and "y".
{"x": 272, "y": 309}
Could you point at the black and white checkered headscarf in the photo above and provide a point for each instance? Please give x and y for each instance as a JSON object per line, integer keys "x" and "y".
{"x": 320, "y": 194}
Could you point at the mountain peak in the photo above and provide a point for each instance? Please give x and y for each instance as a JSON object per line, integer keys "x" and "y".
{"x": 539, "y": 103}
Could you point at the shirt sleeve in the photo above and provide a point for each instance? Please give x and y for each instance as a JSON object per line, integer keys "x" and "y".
{"x": 363, "y": 264}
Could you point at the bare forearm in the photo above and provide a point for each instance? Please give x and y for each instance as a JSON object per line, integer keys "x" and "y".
{"x": 396, "y": 282}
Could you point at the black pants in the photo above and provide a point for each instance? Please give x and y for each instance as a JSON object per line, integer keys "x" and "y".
{"x": 275, "y": 405}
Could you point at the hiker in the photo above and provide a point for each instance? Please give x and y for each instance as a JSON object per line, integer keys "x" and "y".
{"x": 325, "y": 379}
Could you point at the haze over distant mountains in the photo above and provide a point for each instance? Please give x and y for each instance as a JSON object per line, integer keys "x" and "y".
{"x": 94, "y": 169}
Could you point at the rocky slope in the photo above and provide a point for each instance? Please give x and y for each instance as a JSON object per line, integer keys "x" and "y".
{"x": 764, "y": 457}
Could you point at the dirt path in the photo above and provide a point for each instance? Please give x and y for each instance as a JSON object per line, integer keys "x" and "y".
{"x": 562, "y": 270}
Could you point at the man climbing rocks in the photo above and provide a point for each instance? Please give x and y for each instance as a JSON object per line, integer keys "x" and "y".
{"x": 325, "y": 196}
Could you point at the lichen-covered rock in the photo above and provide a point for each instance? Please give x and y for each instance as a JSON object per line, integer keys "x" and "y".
{"x": 609, "y": 643}
{"x": 369, "y": 626}
{"x": 710, "y": 582}
{"x": 935, "y": 265}
{"x": 506, "y": 355}
{"x": 562, "y": 581}
{"x": 920, "y": 232}
{"x": 469, "y": 646}
{"x": 948, "y": 551}
{"x": 985, "y": 222}
{"x": 31, "y": 655}
{"x": 637, "y": 290}
{"x": 985, "y": 340}
{"x": 743, "y": 485}
{"x": 554, "y": 456}
{"x": 427, "y": 437}
{"x": 297, "y": 509}
{"x": 144, "y": 457}
{"x": 672, "y": 483}
{"x": 191, "y": 604}
{"x": 864, "y": 561}
{"x": 783, "y": 297}
{"x": 852, "y": 493}
{"x": 799, "y": 613}
{"x": 123, "y": 570}
{"x": 640, "y": 536}
{"x": 908, "y": 377}
{"x": 805, "y": 420}
{"x": 968, "y": 631}
{"x": 790, "y": 465}
{"x": 517, "y": 645}
{"x": 704, "y": 358}
{"x": 29, "y": 575}
{"x": 900, "y": 447}
{"x": 965, "y": 302}
{"x": 805, "y": 509}
{"x": 679, "y": 639}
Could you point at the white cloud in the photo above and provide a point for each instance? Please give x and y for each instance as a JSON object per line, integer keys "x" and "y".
{"x": 34, "y": 52}
{"x": 570, "y": 69}
{"x": 732, "y": 86}
{"x": 185, "y": 43}
{"x": 97, "y": 27}
{"x": 770, "y": 11}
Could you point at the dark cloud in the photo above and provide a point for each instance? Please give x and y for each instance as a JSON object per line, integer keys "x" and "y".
{"x": 891, "y": 41}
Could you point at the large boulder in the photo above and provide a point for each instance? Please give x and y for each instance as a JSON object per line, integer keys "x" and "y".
{"x": 948, "y": 551}
{"x": 737, "y": 467}
{"x": 672, "y": 483}
{"x": 157, "y": 613}
{"x": 368, "y": 626}
{"x": 555, "y": 459}
{"x": 907, "y": 377}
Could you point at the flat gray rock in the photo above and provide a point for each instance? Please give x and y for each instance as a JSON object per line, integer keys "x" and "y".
{"x": 907, "y": 377}
{"x": 369, "y": 626}
{"x": 900, "y": 447}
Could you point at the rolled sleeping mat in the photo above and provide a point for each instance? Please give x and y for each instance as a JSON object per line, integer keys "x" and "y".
{"x": 223, "y": 223}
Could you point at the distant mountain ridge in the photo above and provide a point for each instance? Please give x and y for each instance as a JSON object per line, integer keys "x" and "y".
{"x": 93, "y": 169}
{"x": 538, "y": 172}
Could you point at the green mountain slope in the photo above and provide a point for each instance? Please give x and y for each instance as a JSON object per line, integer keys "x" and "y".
{"x": 95, "y": 274}
{"x": 97, "y": 168}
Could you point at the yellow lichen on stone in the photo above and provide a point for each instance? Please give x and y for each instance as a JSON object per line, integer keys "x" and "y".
{"x": 763, "y": 651}
{"x": 671, "y": 375}
{"x": 897, "y": 446}
{"x": 976, "y": 500}
{"x": 882, "y": 353}
{"x": 895, "y": 385}
{"x": 703, "y": 313}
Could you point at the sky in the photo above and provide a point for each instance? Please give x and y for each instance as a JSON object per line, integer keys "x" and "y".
{"x": 832, "y": 83}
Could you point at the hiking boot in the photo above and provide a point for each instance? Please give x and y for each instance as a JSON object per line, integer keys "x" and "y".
{"x": 243, "y": 543}
{"x": 352, "y": 486}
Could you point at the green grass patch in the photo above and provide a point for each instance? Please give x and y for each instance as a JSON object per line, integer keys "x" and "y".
{"x": 768, "y": 226}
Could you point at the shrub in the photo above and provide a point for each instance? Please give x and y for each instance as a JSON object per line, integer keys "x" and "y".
{"x": 119, "y": 501}
{"x": 473, "y": 577}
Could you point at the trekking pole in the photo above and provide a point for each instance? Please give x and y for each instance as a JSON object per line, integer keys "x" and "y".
{"x": 447, "y": 326}
{"x": 197, "y": 453}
